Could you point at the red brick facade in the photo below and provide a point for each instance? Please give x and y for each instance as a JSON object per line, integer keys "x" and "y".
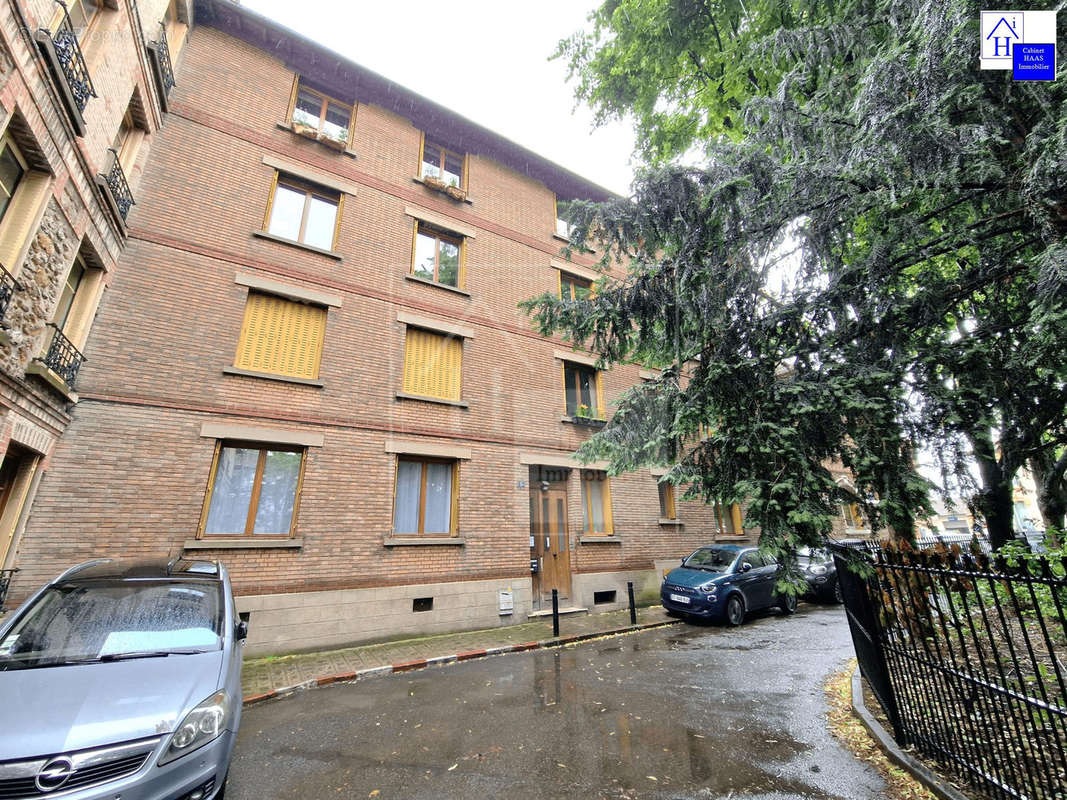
{"x": 130, "y": 475}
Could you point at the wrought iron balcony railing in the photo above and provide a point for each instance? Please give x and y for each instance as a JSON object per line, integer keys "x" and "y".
{"x": 159, "y": 56}
{"x": 5, "y": 581}
{"x": 64, "y": 56}
{"x": 115, "y": 180}
{"x": 63, "y": 358}
{"x": 8, "y": 287}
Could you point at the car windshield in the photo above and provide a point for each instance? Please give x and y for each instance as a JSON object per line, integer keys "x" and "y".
{"x": 711, "y": 559}
{"x": 807, "y": 556}
{"x": 112, "y": 620}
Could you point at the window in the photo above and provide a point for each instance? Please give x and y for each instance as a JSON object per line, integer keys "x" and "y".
{"x": 853, "y": 515}
{"x": 327, "y": 118}
{"x": 596, "y": 503}
{"x": 563, "y": 228}
{"x": 728, "y": 520}
{"x": 582, "y": 391}
{"x": 571, "y": 287}
{"x": 281, "y": 336}
{"x": 433, "y": 363}
{"x": 82, "y": 13}
{"x": 753, "y": 559}
{"x": 437, "y": 256}
{"x": 666, "y": 500}
{"x": 69, "y": 293}
{"x": 12, "y": 170}
{"x": 444, "y": 165}
{"x": 425, "y": 499}
{"x": 303, "y": 213}
{"x": 253, "y": 490}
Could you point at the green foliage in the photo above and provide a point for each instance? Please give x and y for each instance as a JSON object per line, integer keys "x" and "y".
{"x": 872, "y": 257}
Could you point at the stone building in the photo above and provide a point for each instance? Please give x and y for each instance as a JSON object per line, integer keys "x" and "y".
{"x": 83, "y": 92}
{"x": 310, "y": 364}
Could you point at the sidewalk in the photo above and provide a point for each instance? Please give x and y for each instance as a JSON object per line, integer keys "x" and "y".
{"x": 267, "y": 677}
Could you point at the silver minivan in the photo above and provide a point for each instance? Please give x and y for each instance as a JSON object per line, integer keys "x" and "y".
{"x": 122, "y": 679}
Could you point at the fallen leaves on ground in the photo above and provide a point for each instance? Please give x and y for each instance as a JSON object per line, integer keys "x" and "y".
{"x": 850, "y": 731}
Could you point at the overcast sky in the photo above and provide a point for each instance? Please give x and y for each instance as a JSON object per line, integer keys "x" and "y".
{"x": 490, "y": 64}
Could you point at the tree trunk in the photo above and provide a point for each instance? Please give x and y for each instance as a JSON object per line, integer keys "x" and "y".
{"x": 994, "y": 498}
{"x": 1049, "y": 473}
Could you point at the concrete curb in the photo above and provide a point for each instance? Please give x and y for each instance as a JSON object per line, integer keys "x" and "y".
{"x": 892, "y": 750}
{"x": 423, "y": 663}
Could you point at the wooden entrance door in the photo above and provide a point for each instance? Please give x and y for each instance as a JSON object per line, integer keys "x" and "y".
{"x": 551, "y": 539}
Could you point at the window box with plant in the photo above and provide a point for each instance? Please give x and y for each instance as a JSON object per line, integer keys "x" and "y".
{"x": 443, "y": 171}
{"x": 321, "y": 118}
{"x": 584, "y": 415}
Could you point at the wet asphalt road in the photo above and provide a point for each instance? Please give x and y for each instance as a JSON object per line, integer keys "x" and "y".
{"x": 677, "y": 712}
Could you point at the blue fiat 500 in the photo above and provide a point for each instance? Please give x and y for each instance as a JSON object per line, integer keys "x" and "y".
{"x": 724, "y": 581}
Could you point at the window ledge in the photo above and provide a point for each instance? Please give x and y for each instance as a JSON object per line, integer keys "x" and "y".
{"x": 438, "y": 400}
{"x": 585, "y": 422}
{"x": 282, "y": 240}
{"x": 270, "y": 376}
{"x": 423, "y": 541}
{"x": 243, "y": 543}
{"x": 348, "y": 151}
{"x": 668, "y": 521}
{"x": 52, "y": 378}
{"x": 566, "y": 239}
{"x": 466, "y": 200}
{"x": 436, "y": 285}
{"x": 599, "y": 539}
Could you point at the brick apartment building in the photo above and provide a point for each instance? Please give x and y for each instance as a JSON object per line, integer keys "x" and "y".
{"x": 310, "y": 362}
{"x": 83, "y": 91}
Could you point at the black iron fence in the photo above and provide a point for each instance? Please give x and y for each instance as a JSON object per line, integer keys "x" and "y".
{"x": 72, "y": 62}
{"x": 966, "y": 656}
{"x": 117, "y": 185}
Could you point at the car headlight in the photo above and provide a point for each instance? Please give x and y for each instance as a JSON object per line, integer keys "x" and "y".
{"x": 818, "y": 569}
{"x": 201, "y": 725}
{"x": 708, "y": 588}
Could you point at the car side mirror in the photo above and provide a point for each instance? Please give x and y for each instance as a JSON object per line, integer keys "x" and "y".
{"x": 746, "y": 567}
{"x": 240, "y": 633}
{"x": 683, "y": 562}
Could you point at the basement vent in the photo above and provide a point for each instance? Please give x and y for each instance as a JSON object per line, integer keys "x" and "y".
{"x": 422, "y": 604}
{"x": 607, "y": 596}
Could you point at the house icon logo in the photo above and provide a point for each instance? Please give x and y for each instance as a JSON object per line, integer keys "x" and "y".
{"x": 1001, "y": 30}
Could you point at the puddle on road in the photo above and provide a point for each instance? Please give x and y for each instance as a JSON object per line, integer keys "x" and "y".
{"x": 593, "y": 722}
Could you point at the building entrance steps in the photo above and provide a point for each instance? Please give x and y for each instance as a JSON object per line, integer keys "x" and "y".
{"x": 273, "y": 676}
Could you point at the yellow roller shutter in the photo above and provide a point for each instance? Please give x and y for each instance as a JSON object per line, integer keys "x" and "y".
{"x": 281, "y": 337}
{"x": 432, "y": 365}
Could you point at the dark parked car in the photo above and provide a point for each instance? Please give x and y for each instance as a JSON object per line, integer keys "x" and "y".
{"x": 723, "y": 581}
{"x": 122, "y": 679}
{"x": 818, "y": 568}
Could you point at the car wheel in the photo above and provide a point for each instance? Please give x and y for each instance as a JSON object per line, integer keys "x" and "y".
{"x": 788, "y": 604}
{"x": 839, "y": 596}
{"x": 735, "y": 610}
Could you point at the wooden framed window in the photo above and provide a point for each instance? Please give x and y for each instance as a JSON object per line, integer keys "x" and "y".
{"x": 303, "y": 213}
{"x": 582, "y": 391}
{"x": 666, "y": 500}
{"x": 437, "y": 256}
{"x": 853, "y": 516}
{"x": 596, "y": 503}
{"x": 433, "y": 364}
{"x": 69, "y": 294}
{"x": 81, "y": 12}
{"x": 425, "y": 498}
{"x": 445, "y": 165}
{"x": 175, "y": 29}
{"x": 571, "y": 287}
{"x": 253, "y": 490}
{"x": 728, "y": 520}
{"x": 12, "y": 170}
{"x": 281, "y": 336}
{"x": 326, "y": 116}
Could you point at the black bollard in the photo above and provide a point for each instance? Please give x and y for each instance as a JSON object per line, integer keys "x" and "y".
{"x": 633, "y": 608}
{"x": 555, "y": 613}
